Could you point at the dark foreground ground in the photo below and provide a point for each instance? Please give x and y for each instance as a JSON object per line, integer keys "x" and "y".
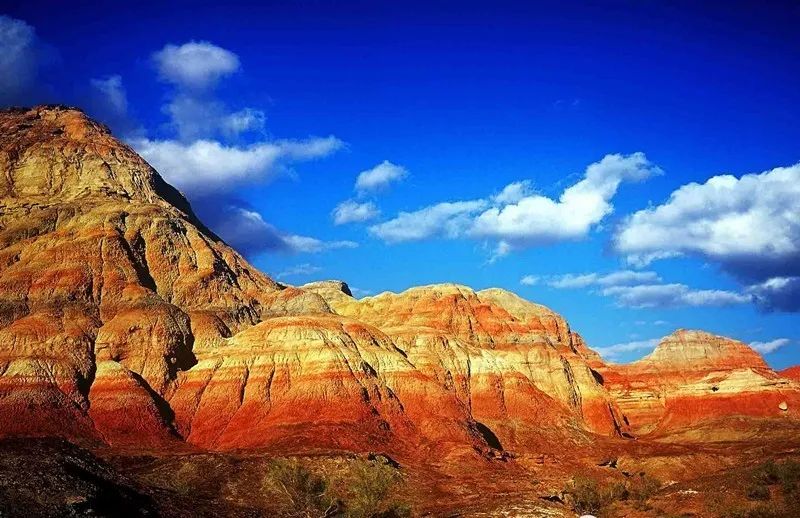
{"x": 757, "y": 477}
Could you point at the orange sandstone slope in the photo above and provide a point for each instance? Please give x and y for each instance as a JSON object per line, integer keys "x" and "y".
{"x": 694, "y": 377}
{"x": 124, "y": 321}
{"x": 108, "y": 284}
{"x": 792, "y": 373}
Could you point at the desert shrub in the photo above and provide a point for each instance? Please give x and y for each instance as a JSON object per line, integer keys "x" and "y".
{"x": 304, "y": 493}
{"x": 758, "y": 492}
{"x": 588, "y": 497}
{"x": 786, "y": 474}
{"x": 371, "y": 491}
{"x": 643, "y": 487}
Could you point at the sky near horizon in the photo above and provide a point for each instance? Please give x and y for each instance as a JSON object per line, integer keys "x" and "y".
{"x": 632, "y": 165}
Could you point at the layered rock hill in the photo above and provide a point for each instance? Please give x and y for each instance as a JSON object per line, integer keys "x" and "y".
{"x": 124, "y": 321}
{"x": 792, "y": 373}
{"x": 694, "y": 376}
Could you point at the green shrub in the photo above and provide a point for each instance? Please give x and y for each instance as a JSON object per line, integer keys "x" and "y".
{"x": 304, "y": 493}
{"x": 588, "y": 497}
{"x": 371, "y": 491}
{"x": 643, "y": 487}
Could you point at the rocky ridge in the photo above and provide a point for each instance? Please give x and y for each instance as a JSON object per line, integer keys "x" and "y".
{"x": 124, "y": 321}
{"x": 694, "y": 376}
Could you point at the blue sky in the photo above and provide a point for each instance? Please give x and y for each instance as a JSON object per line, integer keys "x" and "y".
{"x": 267, "y": 116}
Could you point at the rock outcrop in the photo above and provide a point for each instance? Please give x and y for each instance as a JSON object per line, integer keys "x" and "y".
{"x": 124, "y": 321}
{"x": 792, "y": 373}
{"x": 694, "y": 376}
{"x": 109, "y": 285}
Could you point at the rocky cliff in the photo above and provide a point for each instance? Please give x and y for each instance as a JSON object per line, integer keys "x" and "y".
{"x": 123, "y": 320}
{"x": 694, "y": 376}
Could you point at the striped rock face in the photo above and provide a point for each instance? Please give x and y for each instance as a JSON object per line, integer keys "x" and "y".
{"x": 694, "y": 376}
{"x": 124, "y": 321}
{"x": 792, "y": 373}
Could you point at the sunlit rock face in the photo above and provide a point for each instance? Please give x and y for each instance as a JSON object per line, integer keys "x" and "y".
{"x": 515, "y": 366}
{"x": 792, "y": 373}
{"x": 108, "y": 281}
{"x": 694, "y": 376}
{"x": 124, "y": 321}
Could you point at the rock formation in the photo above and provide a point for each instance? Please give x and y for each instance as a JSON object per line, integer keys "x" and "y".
{"x": 123, "y": 320}
{"x": 694, "y": 376}
{"x": 792, "y": 373}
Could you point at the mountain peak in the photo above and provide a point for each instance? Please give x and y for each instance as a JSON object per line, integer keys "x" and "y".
{"x": 695, "y": 349}
{"x": 54, "y": 153}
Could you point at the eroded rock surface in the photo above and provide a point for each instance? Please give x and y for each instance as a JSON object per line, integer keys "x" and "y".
{"x": 694, "y": 376}
{"x": 124, "y": 321}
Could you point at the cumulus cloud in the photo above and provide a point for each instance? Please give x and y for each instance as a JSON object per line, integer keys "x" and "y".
{"x": 22, "y": 56}
{"x": 205, "y": 166}
{"x": 449, "y": 220}
{"x": 207, "y": 159}
{"x": 514, "y": 192}
{"x": 517, "y": 217}
{"x": 536, "y": 219}
{"x": 247, "y": 231}
{"x": 379, "y": 177}
{"x": 194, "y": 117}
{"x": 616, "y": 350}
{"x": 351, "y": 211}
{"x": 196, "y": 65}
{"x": 771, "y": 346}
{"x": 671, "y": 295}
{"x": 530, "y": 280}
{"x": 750, "y": 226}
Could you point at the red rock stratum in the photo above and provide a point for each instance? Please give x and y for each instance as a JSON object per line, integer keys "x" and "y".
{"x": 123, "y": 320}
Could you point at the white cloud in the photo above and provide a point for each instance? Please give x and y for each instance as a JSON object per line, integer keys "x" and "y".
{"x": 108, "y": 101}
{"x": 300, "y": 269}
{"x": 619, "y": 278}
{"x": 113, "y": 91}
{"x": 247, "y": 231}
{"x": 771, "y": 346}
{"x": 614, "y": 351}
{"x": 530, "y": 280}
{"x": 248, "y": 119}
{"x": 514, "y": 192}
{"x": 313, "y": 245}
{"x": 194, "y": 117}
{"x": 196, "y": 65}
{"x": 448, "y": 220}
{"x": 206, "y": 166}
{"x": 351, "y": 211}
{"x": 671, "y": 295}
{"x": 21, "y": 57}
{"x": 734, "y": 221}
{"x": 536, "y": 219}
{"x": 750, "y": 226}
{"x": 379, "y": 177}
{"x": 517, "y": 217}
